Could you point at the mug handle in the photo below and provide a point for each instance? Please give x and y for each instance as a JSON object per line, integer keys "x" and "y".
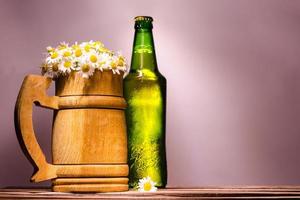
{"x": 33, "y": 90}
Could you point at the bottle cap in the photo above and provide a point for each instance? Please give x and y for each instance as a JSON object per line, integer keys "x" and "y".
{"x": 143, "y": 22}
{"x": 143, "y": 18}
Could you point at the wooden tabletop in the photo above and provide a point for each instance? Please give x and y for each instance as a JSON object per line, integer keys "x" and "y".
{"x": 254, "y": 192}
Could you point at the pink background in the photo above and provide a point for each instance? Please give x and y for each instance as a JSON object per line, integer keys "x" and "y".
{"x": 233, "y": 71}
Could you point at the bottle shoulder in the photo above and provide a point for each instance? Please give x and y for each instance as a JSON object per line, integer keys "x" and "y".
{"x": 133, "y": 81}
{"x": 144, "y": 75}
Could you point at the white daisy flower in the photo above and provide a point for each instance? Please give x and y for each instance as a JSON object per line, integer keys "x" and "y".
{"x": 66, "y": 53}
{"x": 66, "y": 66}
{"x": 97, "y": 45}
{"x": 53, "y": 58}
{"x": 114, "y": 65}
{"x": 87, "y": 46}
{"x": 121, "y": 64}
{"x": 84, "y": 58}
{"x": 78, "y": 52}
{"x": 86, "y": 70}
{"x": 92, "y": 58}
{"x": 146, "y": 185}
{"x": 104, "y": 61}
{"x": 62, "y": 45}
{"x": 78, "y": 56}
{"x": 117, "y": 64}
{"x": 75, "y": 46}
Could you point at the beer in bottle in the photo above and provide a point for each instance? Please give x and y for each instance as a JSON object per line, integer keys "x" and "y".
{"x": 145, "y": 93}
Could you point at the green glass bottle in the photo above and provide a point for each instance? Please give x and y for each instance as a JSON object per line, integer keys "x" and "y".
{"x": 145, "y": 93}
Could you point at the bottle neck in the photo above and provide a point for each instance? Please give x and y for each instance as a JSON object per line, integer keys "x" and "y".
{"x": 143, "y": 53}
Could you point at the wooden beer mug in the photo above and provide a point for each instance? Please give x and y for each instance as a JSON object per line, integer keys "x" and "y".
{"x": 89, "y": 142}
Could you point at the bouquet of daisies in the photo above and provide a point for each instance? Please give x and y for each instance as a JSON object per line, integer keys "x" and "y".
{"x": 83, "y": 58}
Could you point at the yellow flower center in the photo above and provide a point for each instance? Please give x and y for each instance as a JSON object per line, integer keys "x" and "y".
{"x": 147, "y": 186}
{"x": 113, "y": 65}
{"x": 85, "y": 68}
{"x": 93, "y": 58}
{"x": 54, "y": 55}
{"x": 120, "y": 62}
{"x": 87, "y": 47}
{"x": 67, "y": 54}
{"x": 67, "y": 64}
{"x": 55, "y": 68}
{"x": 78, "y": 52}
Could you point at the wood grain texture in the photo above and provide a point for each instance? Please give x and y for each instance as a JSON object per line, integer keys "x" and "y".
{"x": 91, "y": 102}
{"x": 90, "y": 185}
{"x": 33, "y": 90}
{"x": 89, "y": 136}
{"x": 88, "y": 188}
{"x": 250, "y": 192}
{"x": 100, "y": 170}
{"x": 92, "y": 128}
{"x": 89, "y": 130}
{"x": 63, "y": 181}
{"x": 101, "y": 83}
